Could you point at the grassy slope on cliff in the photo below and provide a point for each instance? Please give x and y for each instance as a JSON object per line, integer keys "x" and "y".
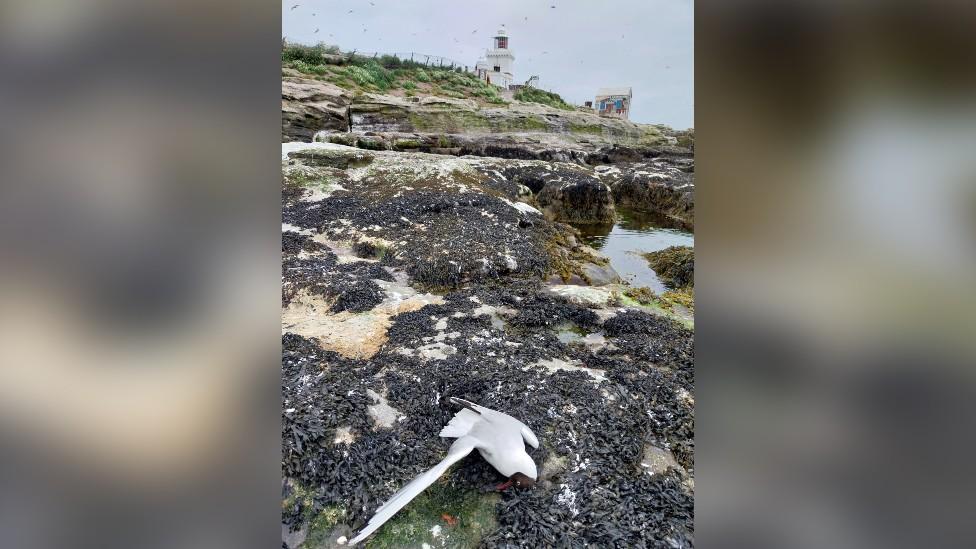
{"x": 391, "y": 74}
{"x": 533, "y": 95}
{"x": 386, "y": 74}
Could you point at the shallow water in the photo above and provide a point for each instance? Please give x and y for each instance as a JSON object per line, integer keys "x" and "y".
{"x": 635, "y": 233}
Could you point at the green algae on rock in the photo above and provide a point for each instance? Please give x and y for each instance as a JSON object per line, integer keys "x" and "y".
{"x": 442, "y": 516}
{"x": 674, "y": 265}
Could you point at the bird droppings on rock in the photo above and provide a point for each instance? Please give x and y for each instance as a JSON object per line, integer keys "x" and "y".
{"x": 657, "y": 460}
{"x": 343, "y": 435}
{"x": 384, "y": 415}
{"x": 559, "y": 365}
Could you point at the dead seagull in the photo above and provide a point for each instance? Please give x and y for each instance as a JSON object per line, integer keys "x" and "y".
{"x": 498, "y": 437}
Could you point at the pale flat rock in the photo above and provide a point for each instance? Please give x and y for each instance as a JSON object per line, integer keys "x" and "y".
{"x": 384, "y": 415}
{"x": 657, "y": 460}
{"x": 353, "y": 335}
{"x": 583, "y": 295}
{"x": 558, "y": 364}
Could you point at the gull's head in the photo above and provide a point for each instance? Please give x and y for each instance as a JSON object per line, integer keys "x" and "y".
{"x": 522, "y": 481}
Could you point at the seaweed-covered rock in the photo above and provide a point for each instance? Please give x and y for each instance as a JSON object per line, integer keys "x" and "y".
{"x": 577, "y": 198}
{"x": 417, "y": 277}
{"x": 660, "y": 186}
{"x": 445, "y": 221}
{"x": 675, "y": 265}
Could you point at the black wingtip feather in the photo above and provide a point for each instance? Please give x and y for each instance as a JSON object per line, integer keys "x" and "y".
{"x": 466, "y": 403}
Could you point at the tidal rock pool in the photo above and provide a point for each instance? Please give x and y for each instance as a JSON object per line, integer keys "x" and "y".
{"x": 633, "y": 234}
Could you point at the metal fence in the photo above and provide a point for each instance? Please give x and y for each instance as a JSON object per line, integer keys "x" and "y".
{"x": 417, "y": 57}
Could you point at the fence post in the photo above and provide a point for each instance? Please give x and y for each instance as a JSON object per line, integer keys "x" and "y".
{"x": 427, "y": 61}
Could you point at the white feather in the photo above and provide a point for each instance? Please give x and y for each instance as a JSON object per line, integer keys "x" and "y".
{"x": 529, "y": 436}
{"x": 460, "y": 424}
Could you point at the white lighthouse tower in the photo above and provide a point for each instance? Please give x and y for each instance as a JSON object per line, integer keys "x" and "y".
{"x": 499, "y": 61}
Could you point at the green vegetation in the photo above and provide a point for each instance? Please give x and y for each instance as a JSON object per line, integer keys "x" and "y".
{"x": 312, "y": 55}
{"x": 651, "y": 135}
{"x": 321, "y": 523}
{"x": 593, "y": 129}
{"x": 370, "y": 144}
{"x": 459, "y": 517}
{"x": 674, "y": 265}
{"x": 346, "y": 139}
{"x": 664, "y": 303}
{"x": 401, "y": 144}
{"x": 321, "y": 528}
{"x": 370, "y": 249}
{"x": 386, "y": 73}
{"x": 533, "y": 95}
{"x": 682, "y": 296}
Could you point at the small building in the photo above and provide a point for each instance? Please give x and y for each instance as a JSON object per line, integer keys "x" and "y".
{"x": 614, "y": 102}
{"x": 482, "y": 69}
{"x": 496, "y": 67}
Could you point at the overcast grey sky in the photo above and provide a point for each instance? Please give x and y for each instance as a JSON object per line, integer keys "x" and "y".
{"x": 575, "y": 48}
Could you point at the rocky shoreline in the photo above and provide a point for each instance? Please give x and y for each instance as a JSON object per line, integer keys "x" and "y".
{"x": 410, "y": 277}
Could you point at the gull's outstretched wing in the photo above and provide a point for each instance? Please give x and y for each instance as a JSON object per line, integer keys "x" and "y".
{"x": 461, "y": 423}
{"x": 461, "y": 447}
{"x": 527, "y": 435}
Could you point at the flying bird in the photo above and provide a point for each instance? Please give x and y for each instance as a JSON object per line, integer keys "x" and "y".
{"x": 474, "y": 31}
{"x": 295, "y": 6}
{"x": 316, "y": 31}
{"x": 350, "y": 11}
{"x": 498, "y": 437}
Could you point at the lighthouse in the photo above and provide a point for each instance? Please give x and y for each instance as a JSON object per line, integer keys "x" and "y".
{"x": 498, "y": 62}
